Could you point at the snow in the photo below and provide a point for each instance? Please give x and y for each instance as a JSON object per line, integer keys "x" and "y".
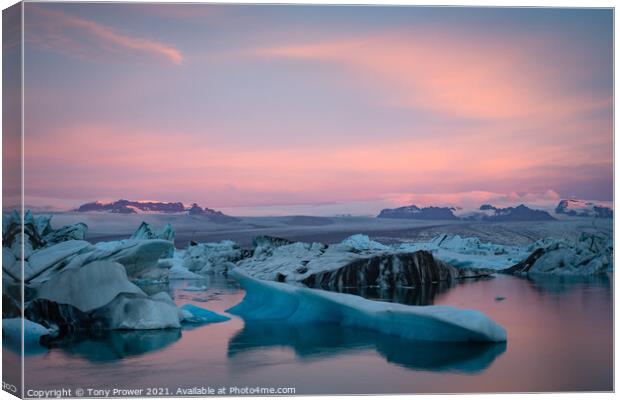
{"x": 579, "y": 205}
{"x": 299, "y": 305}
{"x": 198, "y": 315}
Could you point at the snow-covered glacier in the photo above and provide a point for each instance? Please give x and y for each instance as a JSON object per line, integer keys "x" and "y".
{"x": 284, "y": 302}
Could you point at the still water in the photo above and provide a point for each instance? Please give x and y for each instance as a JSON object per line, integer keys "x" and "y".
{"x": 560, "y": 338}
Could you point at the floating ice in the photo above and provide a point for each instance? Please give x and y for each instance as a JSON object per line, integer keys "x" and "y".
{"x": 590, "y": 254}
{"x": 146, "y": 231}
{"x": 198, "y": 315}
{"x": 298, "y": 305}
{"x": 12, "y": 330}
{"x": 212, "y": 257}
{"x": 463, "y": 252}
{"x": 355, "y": 262}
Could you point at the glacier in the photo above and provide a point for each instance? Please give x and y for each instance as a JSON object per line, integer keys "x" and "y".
{"x": 300, "y": 305}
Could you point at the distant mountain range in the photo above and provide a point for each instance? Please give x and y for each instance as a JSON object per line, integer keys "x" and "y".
{"x": 584, "y": 208}
{"x": 521, "y": 212}
{"x": 153, "y": 207}
{"x": 415, "y": 212}
{"x": 486, "y": 212}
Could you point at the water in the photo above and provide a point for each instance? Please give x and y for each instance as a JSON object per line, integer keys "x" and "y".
{"x": 560, "y": 338}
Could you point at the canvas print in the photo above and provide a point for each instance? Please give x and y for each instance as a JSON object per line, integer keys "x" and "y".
{"x": 232, "y": 199}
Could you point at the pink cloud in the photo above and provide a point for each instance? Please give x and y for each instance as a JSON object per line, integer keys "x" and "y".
{"x": 463, "y": 75}
{"x": 84, "y": 38}
{"x": 169, "y": 164}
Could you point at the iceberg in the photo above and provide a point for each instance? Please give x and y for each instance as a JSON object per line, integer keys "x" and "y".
{"x": 137, "y": 256}
{"x": 210, "y": 258}
{"x": 179, "y": 272}
{"x": 52, "y": 258}
{"x": 197, "y": 315}
{"x": 12, "y": 331}
{"x": 299, "y": 305}
{"x": 590, "y": 254}
{"x": 466, "y": 252}
{"x": 127, "y": 311}
{"x": 38, "y": 232}
{"x": 356, "y": 262}
{"x": 146, "y": 232}
{"x": 89, "y": 287}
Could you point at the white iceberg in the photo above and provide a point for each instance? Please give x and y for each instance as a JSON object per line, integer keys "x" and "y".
{"x": 363, "y": 242}
{"x": 355, "y": 262}
{"x": 89, "y": 287}
{"x": 590, "y": 254}
{"x": 212, "y": 257}
{"x": 137, "y": 256}
{"x": 42, "y": 260}
{"x": 463, "y": 252}
{"x": 131, "y": 312}
{"x": 146, "y": 232}
{"x": 179, "y": 272}
{"x": 299, "y": 305}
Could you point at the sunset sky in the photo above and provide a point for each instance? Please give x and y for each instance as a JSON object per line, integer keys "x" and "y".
{"x": 267, "y": 109}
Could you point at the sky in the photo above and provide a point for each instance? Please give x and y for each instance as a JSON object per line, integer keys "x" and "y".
{"x": 316, "y": 109}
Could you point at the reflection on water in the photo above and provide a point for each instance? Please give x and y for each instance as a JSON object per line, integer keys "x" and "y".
{"x": 107, "y": 346}
{"x": 419, "y": 296}
{"x": 562, "y": 283}
{"x": 324, "y": 341}
{"x": 560, "y": 338}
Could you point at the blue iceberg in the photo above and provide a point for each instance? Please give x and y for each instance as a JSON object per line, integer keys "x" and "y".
{"x": 270, "y": 301}
{"x": 197, "y": 315}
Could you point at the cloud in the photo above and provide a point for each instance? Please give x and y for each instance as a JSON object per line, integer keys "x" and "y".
{"x": 167, "y": 164}
{"x": 461, "y": 75}
{"x": 83, "y": 38}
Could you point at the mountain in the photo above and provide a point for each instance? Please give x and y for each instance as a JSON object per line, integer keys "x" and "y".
{"x": 213, "y": 215}
{"x": 490, "y": 213}
{"x": 133, "y": 207}
{"x": 154, "y": 207}
{"x": 486, "y": 212}
{"x": 584, "y": 208}
{"x": 414, "y": 212}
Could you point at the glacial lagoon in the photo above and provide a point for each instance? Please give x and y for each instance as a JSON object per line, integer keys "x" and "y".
{"x": 560, "y": 338}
